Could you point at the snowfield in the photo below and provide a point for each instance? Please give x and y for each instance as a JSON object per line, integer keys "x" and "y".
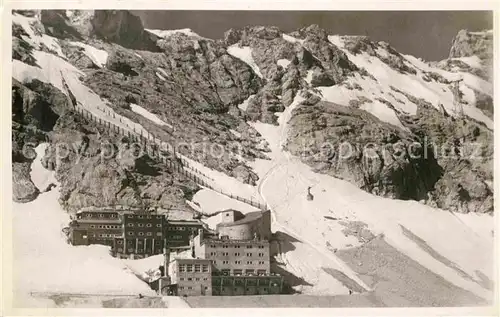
{"x": 244, "y": 105}
{"x": 245, "y": 54}
{"x": 97, "y": 56}
{"x": 148, "y": 115}
{"x": 434, "y": 92}
{"x": 36, "y": 40}
{"x": 44, "y": 262}
{"x": 168, "y": 33}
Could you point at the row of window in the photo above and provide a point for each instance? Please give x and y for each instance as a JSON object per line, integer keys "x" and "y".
{"x": 248, "y": 289}
{"x": 239, "y": 262}
{"x": 189, "y": 287}
{"x": 105, "y": 235}
{"x": 149, "y": 225}
{"x": 105, "y": 226}
{"x": 132, "y": 242}
{"x": 143, "y": 217}
{"x": 197, "y": 268}
{"x": 238, "y": 272}
{"x": 196, "y": 279}
{"x": 182, "y": 228}
{"x": 149, "y": 234}
{"x": 225, "y": 246}
{"x": 100, "y": 215}
{"x": 235, "y": 254}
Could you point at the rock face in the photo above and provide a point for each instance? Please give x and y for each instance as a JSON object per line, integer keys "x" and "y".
{"x": 472, "y": 43}
{"x": 122, "y": 27}
{"x": 205, "y": 96}
{"x": 96, "y": 168}
{"x": 23, "y": 188}
{"x": 353, "y": 145}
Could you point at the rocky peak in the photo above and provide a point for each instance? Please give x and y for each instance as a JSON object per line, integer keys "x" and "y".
{"x": 123, "y": 28}
{"x": 472, "y": 43}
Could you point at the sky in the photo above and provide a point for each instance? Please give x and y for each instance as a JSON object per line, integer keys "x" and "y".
{"x": 425, "y": 34}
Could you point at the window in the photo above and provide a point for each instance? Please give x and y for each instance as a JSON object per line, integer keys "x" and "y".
{"x": 225, "y": 246}
{"x": 261, "y": 262}
{"x": 249, "y": 262}
{"x": 130, "y": 224}
{"x": 149, "y": 233}
{"x": 158, "y": 225}
{"x": 158, "y": 217}
{"x": 197, "y": 267}
{"x": 190, "y": 278}
{"x": 182, "y": 268}
{"x": 249, "y": 246}
{"x": 261, "y": 254}
{"x": 140, "y": 217}
{"x": 237, "y": 246}
{"x": 149, "y": 217}
{"x": 225, "y": 262}
{"x": 130, "y": 233}
{"x": 205, "y": 279}
{"x": 190, "y": 287}
{"x": 225, "y": 254}
{"x": 237, "y": 254}
{"x": 189, "y": 268}
{"x": 149, "y": 225}
{"x": 261, "y": 272}
{"x": 130, "y": 250}
{"x": 261, "y": 247}
{"x": 237, "y": 272}
{"x": 140, "y": 225}
{"x": 213, "y": 253}
{"x": 197, "y": 279}
{"x": 101, "y": 215}
{"x": 113, "y": 216}
{"x": 249, "y": 271}
{"x": 130, "y": 216}
{"x": 141, "y": 233}
{"x": 205, "y": 268}
{"x": 92, "y": 226}
{"x": 249, "y": 254}
{"x": 237, "y": 262}
{"x": 182, "y": 287}
{"x": 265, "y": 289}
{"x": 119, "y": 242}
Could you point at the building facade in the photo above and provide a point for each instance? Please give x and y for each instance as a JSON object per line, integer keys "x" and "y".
{"x": 246, "y": 285}
{"x": 95, "y": 227}
{"x": 191, "y": 277}
{"x": 179, "y": 233}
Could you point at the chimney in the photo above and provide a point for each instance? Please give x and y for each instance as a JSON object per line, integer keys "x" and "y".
{"x": 200, "y": 233}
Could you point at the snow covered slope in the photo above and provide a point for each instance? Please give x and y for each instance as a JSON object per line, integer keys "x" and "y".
{"x": 245, "y": 54}
{"x": 44, "y": 262}
{"x": 385, "y": 78}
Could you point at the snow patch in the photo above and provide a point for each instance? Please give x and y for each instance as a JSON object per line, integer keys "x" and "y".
{"x": 292, "y": 39}
{"x": 244, "y": 105}
{"x": 160, "y": 76}
{"x": 168, "y": 33}
{"x": 40, "y": 176}
{"x": 309, "y": 76}
{"x": 245, "y": 54}
{"x": 98, "y": 57}
{"x": 148, "y": 115}
{"x": 283, "y": 63}
{"x": 36, "y": 39}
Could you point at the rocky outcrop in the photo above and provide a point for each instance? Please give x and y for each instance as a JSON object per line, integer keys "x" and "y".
{"x": 23, "y": 188}
{"x": 354, "y": 145}
{"x": 123, "y": 28}
{"x": 464, "y": 150}
{"x": 472, "y": 43}
{"x": 96, "y": 168}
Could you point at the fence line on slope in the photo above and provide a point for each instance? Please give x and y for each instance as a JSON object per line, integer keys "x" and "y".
{"x": 155, "y": 144}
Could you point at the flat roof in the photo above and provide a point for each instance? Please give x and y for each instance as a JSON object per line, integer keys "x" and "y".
{"x": 249, "y": 217}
